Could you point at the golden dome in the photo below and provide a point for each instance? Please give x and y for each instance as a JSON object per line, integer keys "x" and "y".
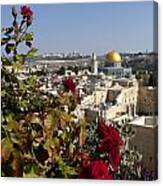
{"x": 113, "y": 57}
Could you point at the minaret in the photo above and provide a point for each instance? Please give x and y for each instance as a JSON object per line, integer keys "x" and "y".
{"x": 94, "y": 64}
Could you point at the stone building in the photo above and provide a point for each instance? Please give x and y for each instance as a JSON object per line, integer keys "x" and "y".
{"x": 122, "y": 99}
{"x": 147, "y": 101}
{"x": 146, "y": 140}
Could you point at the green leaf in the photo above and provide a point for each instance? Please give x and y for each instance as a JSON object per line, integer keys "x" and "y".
{"x": 31, "y": 53}
{"x": 64, "y": 135}
{"x": 65, "y": 168}
{"x": 9, "y": 117}
{"x": 17, "y": 66}
{"x": 66, "y": 117}
{"x": 32, "y": 173}
{"x": 12, "y": 126}
{"x": 51, "y": 143}
{"x": 50, "y": 119}
{"x": 33, "y": 118}
{"x": 7, "y": 148}
{"x": 19, "y": 57}
{"x": 22, "y": 86}
{"x": 3, "y": 93}
{"x": 69, "y": 171}
{"x": 28, "y": 37}
{"x": 71, "y": 149}
{"x": 83, "y": 133}
{"x": 24, "y": 104}
{"x": 9, "y": 47}
{"x": 5, "y": 61}
{"x": 32, "y": 80}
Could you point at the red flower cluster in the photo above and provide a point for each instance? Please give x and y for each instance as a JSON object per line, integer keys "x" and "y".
{"x": 70, "y": 85}
{"x": 26, "y": 11}
{"x": 96, "y": 169}
{"x": 111, "y": 142}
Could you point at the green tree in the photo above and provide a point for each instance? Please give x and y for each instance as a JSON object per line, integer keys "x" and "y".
{"x": 36, "y": 131}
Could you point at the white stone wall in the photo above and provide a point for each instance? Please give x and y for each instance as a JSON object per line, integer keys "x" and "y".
{"x": 100, "y": 96}
{"x": 147, "y": 100}
{"x": 126, "y": 102}
{"x": 145, "y": 141}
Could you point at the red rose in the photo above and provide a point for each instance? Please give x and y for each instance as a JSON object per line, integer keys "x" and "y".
{"x": 110, "y": 143}
{"x": 115, "y": 158}
{"x": 84, "y": 173}
{"x": 97, "y": 169}
{"x": 103, "y": 128}
{"x": 106, "y": 130}
{"x": 26, "y": 11}
{"x": 86, "y": 160}
{"x": 111, "y": 138}
{"x": 70, "y": 85}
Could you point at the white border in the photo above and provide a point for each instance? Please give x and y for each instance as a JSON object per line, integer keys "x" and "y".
{"x": 56, "y": 182}
{"x": 61, "y": 1}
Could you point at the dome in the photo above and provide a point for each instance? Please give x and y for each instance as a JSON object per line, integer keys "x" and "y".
{"x": 113, "y": 57}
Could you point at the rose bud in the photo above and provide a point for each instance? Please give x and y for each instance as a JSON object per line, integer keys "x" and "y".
{"x": 14, "y": 12}
{"x": 29, "y": 21}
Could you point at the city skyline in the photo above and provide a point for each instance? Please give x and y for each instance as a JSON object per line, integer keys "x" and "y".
{"x": 91, "y": 27}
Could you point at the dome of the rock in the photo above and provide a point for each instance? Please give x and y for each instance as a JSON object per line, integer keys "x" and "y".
{"x": 113, "y": 57}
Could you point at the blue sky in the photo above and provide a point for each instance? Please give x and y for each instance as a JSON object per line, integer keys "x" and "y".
{"x": 87, "y": 27}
